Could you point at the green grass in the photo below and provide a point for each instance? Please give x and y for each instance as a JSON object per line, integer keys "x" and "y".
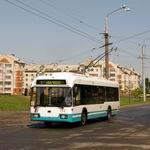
{"x": 22, "y": 103}
{"x": 15, "y": 103}
{"x": 132, "y": 101}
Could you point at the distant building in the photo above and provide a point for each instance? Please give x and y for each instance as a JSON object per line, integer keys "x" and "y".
{"x": 16, "y": 76}
{"x": 127, "y": 78}
{"x": 34, "y": 70}
{"x": 11, "y": 75}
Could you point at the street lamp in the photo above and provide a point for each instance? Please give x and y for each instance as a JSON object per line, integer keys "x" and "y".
{"x": 124, "y": 7}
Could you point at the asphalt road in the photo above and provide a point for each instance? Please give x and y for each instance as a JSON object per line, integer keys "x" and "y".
{"x": 130, "y": 130}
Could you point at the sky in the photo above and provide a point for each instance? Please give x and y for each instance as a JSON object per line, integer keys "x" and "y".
{"x": 70, "y": 31}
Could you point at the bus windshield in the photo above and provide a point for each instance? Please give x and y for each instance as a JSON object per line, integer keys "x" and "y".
{"x": 51, "y": 96}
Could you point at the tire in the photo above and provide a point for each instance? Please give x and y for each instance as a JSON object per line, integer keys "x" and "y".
{"x": 109, "y": 113}
{"x": 83, "y": 118}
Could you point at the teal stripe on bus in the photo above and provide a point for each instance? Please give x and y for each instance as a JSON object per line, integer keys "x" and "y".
{"x": 57, "y": 119}
{"x": 73, "y": 117}
{"x": 97, "y": 114}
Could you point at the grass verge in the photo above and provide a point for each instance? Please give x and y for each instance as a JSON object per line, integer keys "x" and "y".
{"x": 22, "y": 103}
{"x": 133, "y": 101}
{"x": 15, "y": 103}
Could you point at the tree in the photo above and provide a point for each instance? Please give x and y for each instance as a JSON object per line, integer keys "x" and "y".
{"x": 137, "y": 92}
{"x": 147, "y": 85}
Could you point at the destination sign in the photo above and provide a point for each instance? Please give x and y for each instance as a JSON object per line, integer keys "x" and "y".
{"x": 51, "y": 82}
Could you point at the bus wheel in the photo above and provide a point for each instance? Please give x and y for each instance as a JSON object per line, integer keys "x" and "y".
{"x": 84, "y": 118}
{"x": 109, "y": 113}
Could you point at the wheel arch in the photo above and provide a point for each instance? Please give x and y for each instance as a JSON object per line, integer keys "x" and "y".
{"x": 84, "y": 109}
{"x": 84, "y": 116}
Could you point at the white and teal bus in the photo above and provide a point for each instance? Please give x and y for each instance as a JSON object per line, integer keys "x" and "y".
{"x": 70, "y": 97}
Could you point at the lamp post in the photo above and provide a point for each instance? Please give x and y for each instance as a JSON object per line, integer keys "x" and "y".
{"x": 106, "y": 35}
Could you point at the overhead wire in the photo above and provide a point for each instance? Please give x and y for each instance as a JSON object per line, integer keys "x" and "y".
{"x": 98, "y": 58}
{"x": 68, "y": 27}
{"x": 128, "y": 53}
{"x": 132, "y": 36}
{"x": 53, "y": 20}
{"x": 75, "y": 56}
{"x": 48, "y": 3}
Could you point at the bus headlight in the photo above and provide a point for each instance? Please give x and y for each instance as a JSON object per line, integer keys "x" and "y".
{"x": 35, "y": 115}
{"x": 63, "y": 116}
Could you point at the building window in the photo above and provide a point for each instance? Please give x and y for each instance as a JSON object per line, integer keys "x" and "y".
{"x": 112, "y": 70}
{"x": 112, "y": 75}
{"x": 8, "y": 65}
{"x": 7, "y": 83}
{"x": 7, "y": 89}
{"x": 112, "y": 79}
{"x": 8, "y": 77}
{"x": 8, "y": 71}
{"x": 91, "y": 69}
{"x": 26, "y": 75}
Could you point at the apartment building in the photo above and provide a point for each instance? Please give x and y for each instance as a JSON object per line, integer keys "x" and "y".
{"x": 33, "y": 70}
{"x": 11, "y": 75}
{"x": 16, "y": 76}
{"x": 127, "y": 78}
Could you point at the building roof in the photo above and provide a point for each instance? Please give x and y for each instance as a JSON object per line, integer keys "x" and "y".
{"x": 50, "y": 67}
{"x": 12, "y": 57}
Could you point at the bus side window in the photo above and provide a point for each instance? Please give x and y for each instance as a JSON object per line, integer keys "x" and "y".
{"x": 76, "y": 95}
{"x": 101, "y": 94}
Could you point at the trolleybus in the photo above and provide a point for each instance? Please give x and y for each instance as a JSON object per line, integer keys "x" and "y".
{"x": 70, "y": 97}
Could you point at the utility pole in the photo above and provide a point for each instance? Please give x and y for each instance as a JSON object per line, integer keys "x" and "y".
{"x": 106, "y": 36}
{"x": 143, "y": 72}
{"x": 106, "y": 55}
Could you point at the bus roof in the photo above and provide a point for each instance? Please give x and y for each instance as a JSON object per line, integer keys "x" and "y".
{"x": 74, "y": 78}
